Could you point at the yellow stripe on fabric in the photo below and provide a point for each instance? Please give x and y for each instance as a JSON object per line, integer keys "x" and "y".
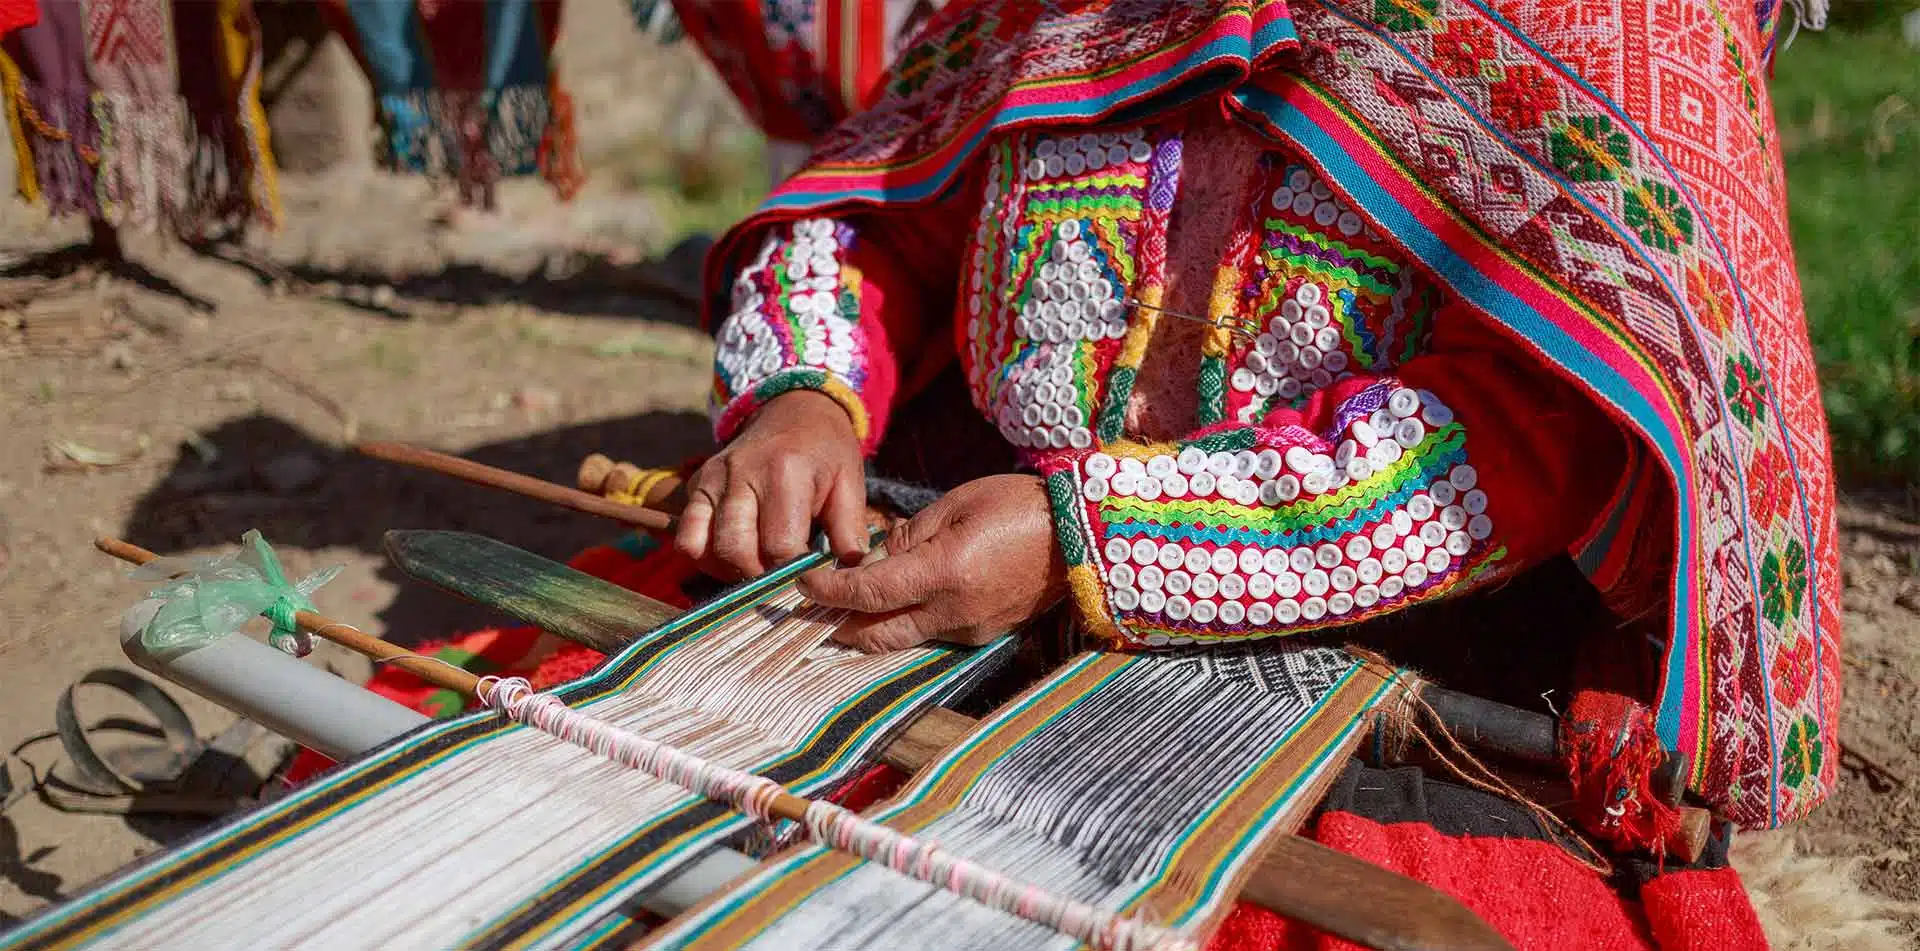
{"x": 1222, "y": 303}
{"x": 723, "y": 611}
{"x": 1272, "y": 789}
{"x": 885, "y": 719}
{"x": 850, "y": 50}
{"x": 773, "y": 892}
{"x": 1133, "y": 349}
{"x": 13, "y": 87}
{"x": 1392, "y": 478}
{"x": 240, "y": 43}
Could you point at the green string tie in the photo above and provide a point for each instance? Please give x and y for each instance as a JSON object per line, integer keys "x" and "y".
{"x": 207, "y": 598}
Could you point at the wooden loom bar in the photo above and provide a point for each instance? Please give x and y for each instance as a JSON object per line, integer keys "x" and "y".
{"x": 606, "y": 617}
{"x": 1400, "y": 914}
{"x": 353, "y": 639}
{"x": 492, "y": 477}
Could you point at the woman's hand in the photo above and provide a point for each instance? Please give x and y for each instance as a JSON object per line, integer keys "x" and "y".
{"x": 970, "y": 567}
{"x": 752, "y": 506}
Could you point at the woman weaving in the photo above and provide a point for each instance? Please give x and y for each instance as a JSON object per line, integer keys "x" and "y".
{"x": 1304, "y": 316}
{"x": 1297, "y": 317}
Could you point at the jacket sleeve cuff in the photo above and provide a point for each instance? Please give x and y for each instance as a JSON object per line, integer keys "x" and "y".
{"x": 798, "y": 323}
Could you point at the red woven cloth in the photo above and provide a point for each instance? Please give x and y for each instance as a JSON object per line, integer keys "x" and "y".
{"x": 18, "y": 14}
{"x": 1527, "y": 890}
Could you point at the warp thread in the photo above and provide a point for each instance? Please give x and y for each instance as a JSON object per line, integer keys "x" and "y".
{"x": 636, "y": 491}
{"x": 829, "y": 824}
{"x": 1413, "y": 719}
{"x": 1611, "y": 752}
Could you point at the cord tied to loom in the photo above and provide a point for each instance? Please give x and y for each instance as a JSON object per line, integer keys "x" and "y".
{"x": 829, "y": 824}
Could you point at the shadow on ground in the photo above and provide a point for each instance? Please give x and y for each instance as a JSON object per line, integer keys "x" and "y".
{"x": 301, "y": 493}
{"x": 664, "y": 288}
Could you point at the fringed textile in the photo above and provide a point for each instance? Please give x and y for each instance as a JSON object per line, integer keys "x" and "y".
{"x": 1141, "y": 784}
{"x": 502, "y": 835}
{"x": 797, "y": 67}
{"x": 1601, "y": 180}
{"x": 466, "y": 91}
{"x": 142, "y": 112}
{"x": 1612, "y": 752}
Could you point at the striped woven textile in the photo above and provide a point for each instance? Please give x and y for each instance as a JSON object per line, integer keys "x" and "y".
{"x": 797, "y": 66}
{"x": 502, "y": 836}
{"x": 1141, "y": 783}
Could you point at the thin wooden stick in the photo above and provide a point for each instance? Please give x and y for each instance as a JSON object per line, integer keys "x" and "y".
{"x": 438, "y": 673}
{"x": 481, "y": 474}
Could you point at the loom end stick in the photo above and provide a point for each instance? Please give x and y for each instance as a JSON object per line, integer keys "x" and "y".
{"x": 1371, "y": 906}
{"x": 496, "y": 478}
{"x": 571, "y": 604}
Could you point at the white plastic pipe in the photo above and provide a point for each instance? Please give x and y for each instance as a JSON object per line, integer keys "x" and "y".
{"x": 297, "y": 700}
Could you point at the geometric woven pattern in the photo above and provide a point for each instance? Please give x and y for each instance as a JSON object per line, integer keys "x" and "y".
{"x": 1602, "y": 177}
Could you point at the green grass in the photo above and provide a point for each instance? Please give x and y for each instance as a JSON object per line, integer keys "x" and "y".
{"x": 699, "y": 187}
{"x": 1848, "y": 103}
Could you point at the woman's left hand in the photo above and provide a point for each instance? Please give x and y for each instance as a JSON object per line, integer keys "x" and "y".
{"x": 970, "y": 567}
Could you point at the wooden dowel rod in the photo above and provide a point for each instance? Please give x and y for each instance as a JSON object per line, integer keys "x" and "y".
{"x": 435, "y": 672}
{"x": 599, "y": 475}
{"x": 492, "y": 477}
{"x": 1483, "y": 724}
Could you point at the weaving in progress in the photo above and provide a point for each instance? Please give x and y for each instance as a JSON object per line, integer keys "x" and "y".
{"x": 1277, "y": 331}
{"x": 745, "y": 681}
{"x": 1241, "y": 746}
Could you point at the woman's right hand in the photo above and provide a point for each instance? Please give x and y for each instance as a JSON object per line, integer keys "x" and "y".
{"x": 752, "y": 506}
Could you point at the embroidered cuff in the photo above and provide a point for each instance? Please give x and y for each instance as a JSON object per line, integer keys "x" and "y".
{"x": 1249, "y": 532}
{"x": 795, "y": 325}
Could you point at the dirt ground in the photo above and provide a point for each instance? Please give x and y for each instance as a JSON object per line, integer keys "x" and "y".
{"x": 179, "y": 407}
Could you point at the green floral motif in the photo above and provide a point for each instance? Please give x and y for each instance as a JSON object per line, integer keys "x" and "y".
{"x": 1404, "y": 15}
{"x": 1657, "y": 214}
{"x": 1589, "y": 149}
{"x": 1746, "y": 391}
{"x": 1783, "y": 582}
{"x": 1802, "y": 754}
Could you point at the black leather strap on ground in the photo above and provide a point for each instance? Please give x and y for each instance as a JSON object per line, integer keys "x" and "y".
{"x": 90, "y": 772}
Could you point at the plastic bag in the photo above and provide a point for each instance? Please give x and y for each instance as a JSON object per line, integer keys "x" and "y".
{"x": 214, "y": 596}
